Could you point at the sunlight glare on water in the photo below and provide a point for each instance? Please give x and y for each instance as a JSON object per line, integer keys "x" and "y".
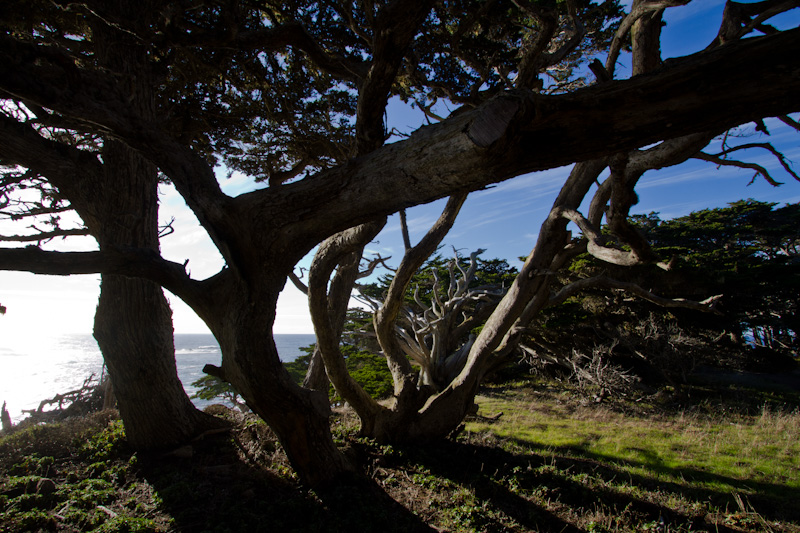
{"x": 37, "y": 367}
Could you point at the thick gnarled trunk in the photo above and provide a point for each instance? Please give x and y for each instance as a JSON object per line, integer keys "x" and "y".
{"x": 133, "y": 322}
{"x": 299, "y": 417}
{"x": 133, "y": 327}
{"x": 250, "y": 362}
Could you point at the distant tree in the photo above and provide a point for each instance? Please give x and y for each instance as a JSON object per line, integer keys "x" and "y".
{"x": 296, "y": 92}
{"x": 444, "y": 306}
{"x": 211, "y": 387}
{"x": 746, "y": 252}
{"x": 750, "y": 252}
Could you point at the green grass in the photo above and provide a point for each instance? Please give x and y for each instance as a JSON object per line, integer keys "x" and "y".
{"x": 730, "y": 452}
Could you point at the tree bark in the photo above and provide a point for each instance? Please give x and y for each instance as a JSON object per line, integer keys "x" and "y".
{"x": 250, "y": 362}
{"x": 133, "y": 321}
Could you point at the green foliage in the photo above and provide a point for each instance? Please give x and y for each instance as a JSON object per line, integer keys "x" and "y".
{"x": 89, "y": 493}
{"x": 106, "y": 443}
{"x": 33, "y": 465}
{"x": 211, "y": 387}
{"x": 367, "y": 368}
{"x": 75, "y": 492}
{"x": 479, "y": 49}
{"x": 127, "y": 524}
{"x": 370, "y": 371}
{"x": 748, "y": 252}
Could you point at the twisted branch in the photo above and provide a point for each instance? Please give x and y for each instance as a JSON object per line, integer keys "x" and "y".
{"x": 707, "y": 306}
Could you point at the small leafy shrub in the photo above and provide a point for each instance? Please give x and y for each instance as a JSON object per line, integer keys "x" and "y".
{"x": 90, "y": 493}
{"x": 104, "y": 444}
{"x": 34, "y": 520}
{"x": 33, "y": 465}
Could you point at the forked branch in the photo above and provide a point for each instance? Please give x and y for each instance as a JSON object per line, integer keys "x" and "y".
{"x": 414, "y": 258}
{"x": 595, "y": 244}
{"x": 722, "y": 162}
{"x": 784, "y": 162}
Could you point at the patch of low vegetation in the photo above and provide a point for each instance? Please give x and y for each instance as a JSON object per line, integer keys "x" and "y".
{"x": 79, "y": 475}
{"x": 554, "y": 461}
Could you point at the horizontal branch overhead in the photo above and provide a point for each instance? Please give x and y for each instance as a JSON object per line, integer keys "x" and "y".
{"x": 522, "y": 131}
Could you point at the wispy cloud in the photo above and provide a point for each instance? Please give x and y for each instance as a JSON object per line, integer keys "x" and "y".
{"x": 698, "y": 8}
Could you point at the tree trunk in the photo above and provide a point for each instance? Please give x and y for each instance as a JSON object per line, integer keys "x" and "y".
{"x": 133, "y": 327}
{"x": 316, "y": 378}
{"x": 250, "y": 362}
{"x": 133, "y": 322}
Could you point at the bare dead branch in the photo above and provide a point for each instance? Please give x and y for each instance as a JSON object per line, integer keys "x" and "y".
{"x": 369, "y": 301}
{"x": 595, "y": 239}
{"x": 372, "y": 264}
{"x": 764, "y": 146}
{"x": 45, "y": 236}
{"x": 720, "y": 162}
{"x": 708, "y": 305}
{"x": 302, "y": 287}
{"x": 166, "y": 229}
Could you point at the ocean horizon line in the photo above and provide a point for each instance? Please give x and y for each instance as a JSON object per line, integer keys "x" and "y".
{"x": 49, "y": 365}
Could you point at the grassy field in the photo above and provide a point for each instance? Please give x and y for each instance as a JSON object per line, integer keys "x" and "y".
{"x": 729, "y": 462}
{"x": 720, "y": 460}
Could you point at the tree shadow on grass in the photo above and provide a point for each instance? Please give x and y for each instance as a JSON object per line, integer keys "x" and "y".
{"x": 515, "y": 482}
{"x": 215, "y": 490}
{"x": 477, "y": 468}
{"x": 771, "y": 500}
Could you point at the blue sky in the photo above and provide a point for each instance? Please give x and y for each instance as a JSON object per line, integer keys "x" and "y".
{"x": 504, "y": 220}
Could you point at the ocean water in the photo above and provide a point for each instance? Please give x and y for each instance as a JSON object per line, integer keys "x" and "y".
{"x": 35, "y": 369}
